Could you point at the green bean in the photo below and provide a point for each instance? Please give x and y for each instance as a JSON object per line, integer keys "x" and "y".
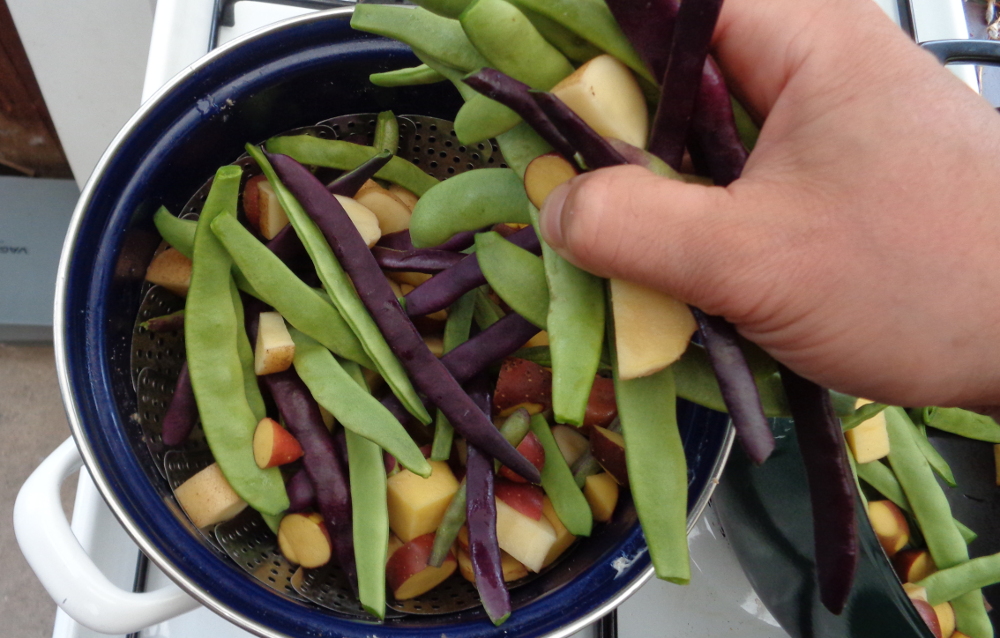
{"x": 862, "y": 414}
{"x": 516, "y": 275}
{"x": 505, "y": 37}
{"x": 369, "y": 511}
{"x": 437, "y": 36}
{"x": 513, "y": 429}
{"x": 341, "y": 290}
{"x": 963, "y": 423}
{"x": 883, "y": 481}
{"x": 571, "y": 45}
{"x": 412, "y": 76}
{"x": 281, "y": 288}
{"x": 520, "y": 145}
{"x": 592, "y": 21}
{"x": 657, "y": 469}
{"x": 696, "y": 383}
{"x": 177, "y": 232}
{"x": 576, "y": 331}
{"x": 345, "y": 156}
{"x": 273, "y": 521}
{"x": 481, "y": 118}
{"x": 214, "y": 361}
{"x": 948, "y": 584}
{"x": 386, "y": 132}
{"x": 456, "y": 332}
{"x": 933, "y": 515}
{"x": 254, "y": 398}
{"x": 745, "y": 127}
{"x": 355, "y": 409}
{"x": 486, "y": 311}
{"x": 934, "y": 458}
{"x": 468, "y": 201}
{"x": 453, "y": 75}
{"x": 557, "y": 480}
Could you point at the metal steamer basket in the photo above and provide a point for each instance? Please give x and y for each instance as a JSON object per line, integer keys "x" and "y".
{"x": 116, "y": 378}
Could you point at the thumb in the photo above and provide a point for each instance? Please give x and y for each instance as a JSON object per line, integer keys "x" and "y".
{"x": 695, "y": 242}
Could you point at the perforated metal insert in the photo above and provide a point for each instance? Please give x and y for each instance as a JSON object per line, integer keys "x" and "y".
{"x": 156, "y": 360}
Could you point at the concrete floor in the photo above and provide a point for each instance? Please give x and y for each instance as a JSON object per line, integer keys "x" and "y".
{"x": 33, "y": 423}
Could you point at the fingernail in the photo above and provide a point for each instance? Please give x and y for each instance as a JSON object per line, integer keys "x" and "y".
{"x": 551, "y": 215}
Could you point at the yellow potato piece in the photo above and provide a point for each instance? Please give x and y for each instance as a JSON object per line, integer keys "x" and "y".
{"x": 869, "y": 440}
{"x": 207, "y": 498}
{"x": 417, "y": 505}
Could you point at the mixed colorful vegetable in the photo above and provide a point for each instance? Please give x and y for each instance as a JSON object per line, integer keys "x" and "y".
{"x": 564, "y": 86}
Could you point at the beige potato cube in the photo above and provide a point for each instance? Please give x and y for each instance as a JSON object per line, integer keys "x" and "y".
{"x": 393, "y": 214}
{"x": 417, "y": 505}
{"x": 207, "y": 497}
{"x": 172, "y": 270}
{"x": 652, "y": 329}
{"x": 404, "y": 195}
{"x": 563, "y": 536}
{"x": 364, "y": 219}
{"x": 524, "y": 538}
{"x": 869, "y": 440}
{"x": 601, "y": 491}
{"x": 272, "y": 216}
{"x": 275, "y": 349}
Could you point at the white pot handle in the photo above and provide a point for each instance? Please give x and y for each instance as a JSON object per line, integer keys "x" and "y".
{"x": 64, "y": 568}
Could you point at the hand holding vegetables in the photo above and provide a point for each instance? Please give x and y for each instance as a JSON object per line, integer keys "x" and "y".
{"x": 820, "y": 251}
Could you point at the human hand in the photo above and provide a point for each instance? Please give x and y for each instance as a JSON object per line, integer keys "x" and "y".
{"x": 861, "y": 246}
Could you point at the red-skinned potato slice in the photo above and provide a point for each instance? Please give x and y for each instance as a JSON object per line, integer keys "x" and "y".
{"x": 946, "y": 618}
{"x": 172, "y": 270}
{"x": 609, "y": 449}
{"x": 890, "y": 526}
{"x": 601, "y": 491}
{"x": 251, "y": 200}
{"x": 304, "y": 540}
{"x": 407, "y": 573}
{"x": 273, "y": 445}
{"x": 929, "y": 617}
{"x": 544, "y": 173}
{"x": 523, "y": 497}
{"x": 601, "y": 406}
{"x": 522, "y": 381}
{"x": 531, "y": 448}
{"x": 913, "y": 564}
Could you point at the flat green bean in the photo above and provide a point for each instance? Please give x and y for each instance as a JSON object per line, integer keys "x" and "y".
{"x": 481, "y": 118}
{"x": 657, "y": 469}
{"x": 486, "y": 311}
{"x": 948, "y": 584}
{"x": 346, "y": 156}
{"x": 386, "y": 132}
{"x": 210, "y": 336}
{"x": 520, "y": 145}
{"x": 516, "y": 276}
{"x": 592, "y": 21}
{"x": 575, "y": 48}
{"x": 355, "y": 409}
{"x": 557, "y": 480}
{"x": 341, "y": 290}
{"x": 963, "y": 423}
{"x": 933, "y": 515}
{"x": 696, "y": 383}
{"x": 883, "y": 481}
{"x": 281, "y": 288}
{"x": 446, "y": 8}
{"x": 576, "y": 331}
{"x": 438, "y": 36}
{"x": 254, "y": 398}
{"x": 451, "y": 74}
{"x": 468, "y": 201}
{"x": 457, "y": 329}
{"x": 177, "y": 232}
{"x": 934, "y": 458}
{"x": 412, "y": 76}
{"x": 862, "y": 414}
{"x": 745, "y": 127}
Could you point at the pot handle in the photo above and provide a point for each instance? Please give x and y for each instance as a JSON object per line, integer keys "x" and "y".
{"x": 66, "y": 571}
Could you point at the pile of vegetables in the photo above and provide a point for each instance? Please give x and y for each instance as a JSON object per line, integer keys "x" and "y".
{"x": 388, "y": 300}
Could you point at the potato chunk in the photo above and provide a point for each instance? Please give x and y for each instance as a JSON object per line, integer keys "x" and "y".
{"x": 417, "y": 505}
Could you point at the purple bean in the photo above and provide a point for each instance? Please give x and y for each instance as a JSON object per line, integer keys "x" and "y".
{"x": 831, "y": 487}
{"x": 426, "y": 260}
{"x": 182, "y": 413}
{"x": 715, "y": 144}
{"x": 165, "y": 323}
{"x": 301, "y": 495}
{"x": 303, "y": 419}
{"x": 516, "y": 96}
{"x": 649, "y": 26}
{"x": 688, "y": 53}
{"x": 348, "y": 184}
{"x": 427, "y": 372}
{"x": 594, "y": 149}
{"x": 444, "y": 288}
{"x": 400, "y": 240}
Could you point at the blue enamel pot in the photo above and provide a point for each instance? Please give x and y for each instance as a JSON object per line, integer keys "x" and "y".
{"x": 292, "y": 74}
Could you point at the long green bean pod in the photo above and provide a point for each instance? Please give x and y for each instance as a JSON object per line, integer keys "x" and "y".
{"x": 933, "y": 514}
{"x": 965, "y": 423}
{"x": 386, "y": 136}
{"x": 862, "y": 414}
{"x": 457, "y": 329}
{"x": 214, "y": 362}
{"x": 341, "y": 290}
{"x": 412, "y": 76}
{"x": 355, "y": 409}
{"x": 254, "y": 398}
{"x": 516, "y": 275}
{"x": 575, "y": 48}
{"x": 934, "y": 458}
{"x": 281, "y": 288}
{"x": 486, "y": 312}
{"x": 880, "y": 477}
{"x": 513, "y": 429}
{"x": 948, "y": 584}
{"x": 557, "y": 480}
{"x": 657, "y": 469}
{"x": 575, "y": 324}
{"x": 468, "y": 201}
{"x": 177, "y": 232}
{"x": 520, "y": 145}
{"x": 369, "y": 511}
{"x": 345, "y": 156}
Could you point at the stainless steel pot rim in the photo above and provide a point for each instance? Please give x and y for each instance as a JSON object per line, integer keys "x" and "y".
{"x": 72, "y": 406}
